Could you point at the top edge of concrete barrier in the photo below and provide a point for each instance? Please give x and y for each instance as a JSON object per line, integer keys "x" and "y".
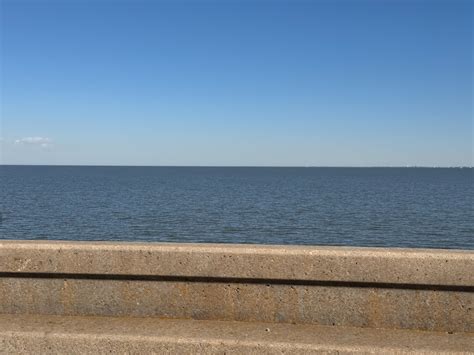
{"x": 244, "y": 261}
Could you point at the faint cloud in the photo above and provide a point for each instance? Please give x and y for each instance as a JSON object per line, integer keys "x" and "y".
{"x": 43, "y": 142}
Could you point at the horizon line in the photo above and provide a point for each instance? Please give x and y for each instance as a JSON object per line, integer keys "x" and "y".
{"x": 248, "y": 166}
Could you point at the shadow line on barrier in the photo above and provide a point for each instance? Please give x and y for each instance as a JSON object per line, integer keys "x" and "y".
{"x": 236, "y": 280}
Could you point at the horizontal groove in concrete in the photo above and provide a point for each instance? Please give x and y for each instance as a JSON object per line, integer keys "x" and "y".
{"x": 439, "y": 268}
{"x": 234, "y": 280}
{"x": 59, "y": 334}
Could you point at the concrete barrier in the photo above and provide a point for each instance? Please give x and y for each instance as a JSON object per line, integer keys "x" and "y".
{"x": 336, "y": 286}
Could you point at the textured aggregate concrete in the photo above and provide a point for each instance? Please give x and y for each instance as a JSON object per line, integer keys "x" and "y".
{"x": 402, "y": 266}
{"x": 343, "y": 306}
{"x": 74, "y": 335}
{"x": 361, "y": 287}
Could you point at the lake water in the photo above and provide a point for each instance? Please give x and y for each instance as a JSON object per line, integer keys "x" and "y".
{"x": 390, "y": 207}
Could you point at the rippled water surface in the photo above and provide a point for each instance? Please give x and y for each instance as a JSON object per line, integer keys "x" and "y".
{"x": 402, "y": 207}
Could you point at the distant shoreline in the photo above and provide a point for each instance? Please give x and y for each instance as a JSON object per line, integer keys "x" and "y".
{"x": 243, "y": 166}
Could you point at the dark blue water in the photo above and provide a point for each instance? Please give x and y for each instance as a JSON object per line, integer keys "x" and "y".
{"x": 392, "y": 207}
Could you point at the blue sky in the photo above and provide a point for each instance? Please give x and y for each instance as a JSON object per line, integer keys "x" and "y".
{"x": 266, "y": 83}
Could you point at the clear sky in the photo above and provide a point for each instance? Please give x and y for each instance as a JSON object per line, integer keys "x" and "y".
{"x": 279, "y": 83}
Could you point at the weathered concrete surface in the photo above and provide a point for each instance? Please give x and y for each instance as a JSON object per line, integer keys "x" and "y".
{"x": 362, "y": 287}
{"x": 67, "y": 335}
{"x": 401, "y": 266}
{"x": 340, "y": 306}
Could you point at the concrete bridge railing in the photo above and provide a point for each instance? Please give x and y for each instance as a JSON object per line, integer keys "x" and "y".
{"x": 357, "y": 287}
